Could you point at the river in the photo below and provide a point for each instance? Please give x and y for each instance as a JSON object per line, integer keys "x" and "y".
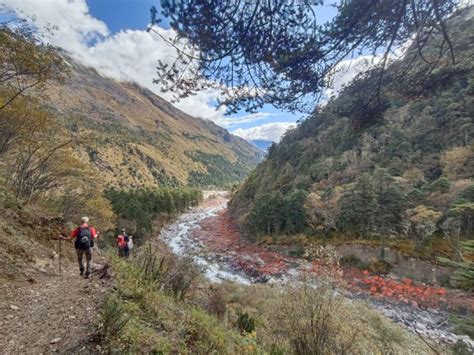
{"x": 205, "y": 234}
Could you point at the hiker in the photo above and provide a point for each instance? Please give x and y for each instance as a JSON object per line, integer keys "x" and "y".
{"x": 122, "y": 244}
{"x": 130, "y": 243}
{"x": 85, "y": 235}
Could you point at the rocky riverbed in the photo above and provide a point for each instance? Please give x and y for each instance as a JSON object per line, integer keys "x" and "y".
{"x": 208, "y": 235}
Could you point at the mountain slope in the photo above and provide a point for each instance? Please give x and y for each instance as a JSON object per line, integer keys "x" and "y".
{"x": 401, "y": 165}
{"x": 135, "y": 138}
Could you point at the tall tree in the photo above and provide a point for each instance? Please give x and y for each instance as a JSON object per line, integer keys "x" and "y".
{"x": 359, "y": 206}
{"x": 41, "y": 162}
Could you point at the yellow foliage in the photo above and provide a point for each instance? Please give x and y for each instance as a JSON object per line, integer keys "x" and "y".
{"x": 423, "y": 222}
{"x": 320, "y": 212}
{"x": 267, "y": 240}
{"x": 423, "y": 213}
{"x": 414, "y": 176}
{"x": 454, "y": 162}
{"x": 100, "y": 211}
{"x": 35, "y": 151}
{"x": 15, "y": 121}
{"x": 312, "y": 201}
{"x": 301, "y": 319}
{"x": 25, "y": 63}
{"x": 37, "y": 158}
{"x": 39, "y": 162}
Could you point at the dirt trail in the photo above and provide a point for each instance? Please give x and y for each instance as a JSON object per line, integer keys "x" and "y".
{"x": 52, "y": 313}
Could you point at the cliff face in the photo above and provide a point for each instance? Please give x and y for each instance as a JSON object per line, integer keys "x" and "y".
{"x": 135, "y": 138}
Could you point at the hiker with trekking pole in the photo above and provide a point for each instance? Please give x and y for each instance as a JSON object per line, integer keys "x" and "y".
{"x": 84, "y": 243}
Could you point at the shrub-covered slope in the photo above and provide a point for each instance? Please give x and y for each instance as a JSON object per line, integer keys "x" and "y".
{"x": 160, "y": 304}
{"x": 399, "y": 163}
{"x": 136, "y": 139}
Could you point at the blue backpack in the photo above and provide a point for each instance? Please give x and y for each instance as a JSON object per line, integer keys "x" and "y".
{"x": 84, "y": 238}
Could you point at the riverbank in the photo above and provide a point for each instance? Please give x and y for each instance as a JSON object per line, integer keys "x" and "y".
{"x": 209, "y": 236}
{"x": 162, "y": 303}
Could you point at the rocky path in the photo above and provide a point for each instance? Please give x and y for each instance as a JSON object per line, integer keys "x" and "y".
{"x": 50, "y": 313}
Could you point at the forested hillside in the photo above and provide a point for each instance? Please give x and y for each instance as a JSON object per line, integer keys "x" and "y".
{"x": 135, "y": 138}
{"x": 400, "y": 165}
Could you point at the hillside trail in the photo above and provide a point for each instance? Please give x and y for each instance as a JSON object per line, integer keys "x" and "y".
{"x": 52, "y": 313}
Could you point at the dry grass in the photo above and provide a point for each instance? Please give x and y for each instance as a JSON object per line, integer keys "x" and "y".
{"x": 134, "y": 133}
{"x": 202, "y": 318}
{"x": 300, "y": 319}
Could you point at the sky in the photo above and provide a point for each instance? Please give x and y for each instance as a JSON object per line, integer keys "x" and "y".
{"x": 111, "y": 36}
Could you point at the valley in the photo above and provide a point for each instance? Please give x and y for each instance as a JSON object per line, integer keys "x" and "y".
{"x": 342, "y": 224}
{"x": 227, "y": 262}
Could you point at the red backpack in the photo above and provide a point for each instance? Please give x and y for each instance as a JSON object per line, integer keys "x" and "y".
{"x": 122, "y": 244}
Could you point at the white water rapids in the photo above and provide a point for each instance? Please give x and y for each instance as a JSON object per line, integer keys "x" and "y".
{"x": 178, "y": 238}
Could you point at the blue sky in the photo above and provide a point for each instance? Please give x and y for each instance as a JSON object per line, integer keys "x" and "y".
{"x": 122, "y": 14}
{"x": 134, "y": 14}
{"x": 126, "y": 14}
{"x": 110, "y": 35}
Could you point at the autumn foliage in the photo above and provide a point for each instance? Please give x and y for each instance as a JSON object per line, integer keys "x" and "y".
{"x": 37, "y": 162}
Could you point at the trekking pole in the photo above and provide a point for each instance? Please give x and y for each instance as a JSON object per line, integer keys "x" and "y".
{"x": 60, "y": 255}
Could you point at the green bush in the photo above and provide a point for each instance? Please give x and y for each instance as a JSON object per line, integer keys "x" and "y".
{"x": 278, "y": 213}
{"x": 464, "y": 325}
{"x": 358, "y": 206}
{"x": 114, "y": 319}
{"x": 442, "y": 185}
{"x": 173, "y": 275}
{"x": 461, "y": 348}
{"x": 245, "y": 323}
{"x": 297, "y": 252}
{"x": 468, "y": 193}
{"x": 463, "y": 276}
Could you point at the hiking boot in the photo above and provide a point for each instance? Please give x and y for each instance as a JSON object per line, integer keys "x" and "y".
{"x": 88, "y": 275}
{"x": 82, "y": 273}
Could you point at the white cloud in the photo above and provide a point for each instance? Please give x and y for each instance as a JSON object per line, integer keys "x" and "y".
{"x": 250, "y": 118}
{"x": 130, "y": 55}
{"x": 347, "y": 70}
{"x": 269, "y": 131}
{"x": 75, "y": 26}
{"x": 200, "y": 105}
